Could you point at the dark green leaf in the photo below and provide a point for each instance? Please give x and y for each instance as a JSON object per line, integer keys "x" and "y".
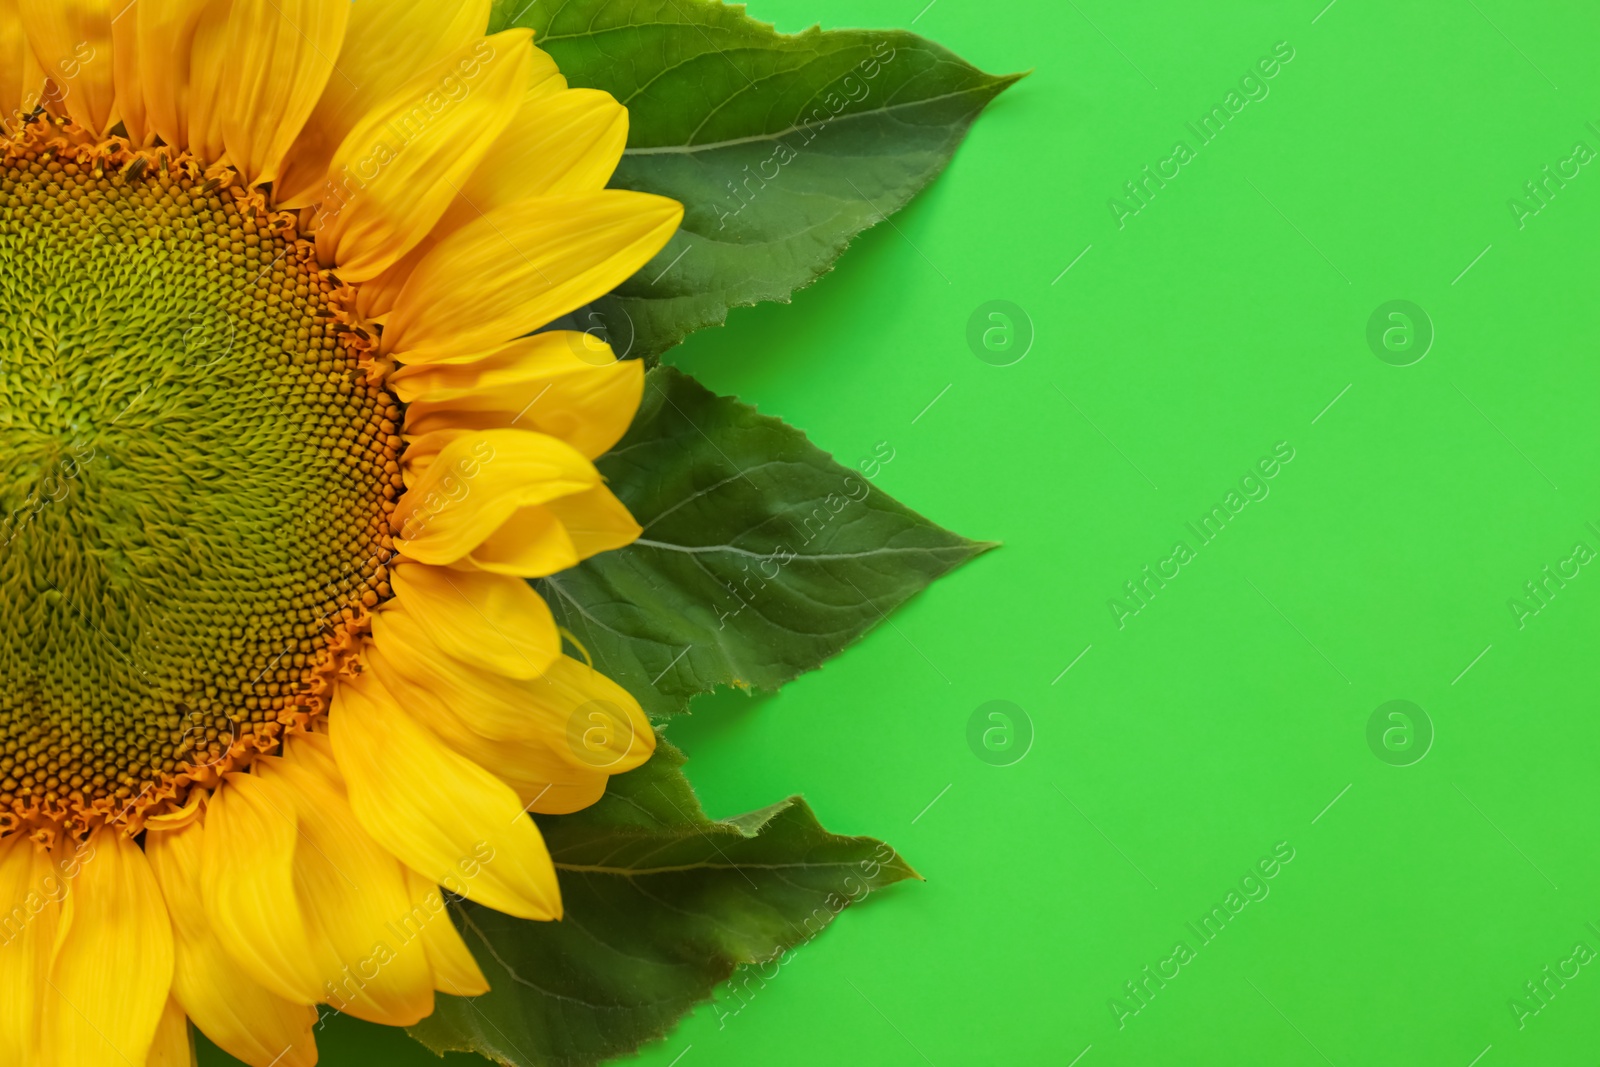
{"x": 761, "y": 557}
{"x": 781, "y": 147}
{"x": 661, "y": 905}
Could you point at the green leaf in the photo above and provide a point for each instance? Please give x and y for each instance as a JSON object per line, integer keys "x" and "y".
{"x": 760, "y": 558}
{"x": 661, "y": 905}
{"x": 781, "y": 147}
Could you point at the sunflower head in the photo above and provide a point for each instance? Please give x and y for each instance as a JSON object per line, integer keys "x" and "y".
{"x": 283, "y": 433}
{"x": 198, "y": 462}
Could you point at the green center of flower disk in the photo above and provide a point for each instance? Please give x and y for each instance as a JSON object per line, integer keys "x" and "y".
{"x": 195, "y": 480}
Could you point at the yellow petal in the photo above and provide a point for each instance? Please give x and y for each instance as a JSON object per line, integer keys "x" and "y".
{"x": 531, "y": 543}
{"x": 174, "y": 1044}
{"x": 547, "y": 79}
{"x": 375, "y": 298}
{"x": 388, "y": 42}
{"x": 518, "y": 267}
{"x": 236, "y": 1013}
{"x": 488, "y": 620}
{"x": 537, "y": 541}
{"x": 454, "y": 970}
{"x": 606, "y": 729}
{"x": 192, "y": 811}
{"x": 72, "y": 41}
{"x": 557, "y": 144}
{"x": 571, "y": 714}
{"x": 497, "y": 707}
{"x": 31, "y": 889}
{"x": 596, "y": 521}
{"x": 560, "y": 141}
{"x": 476, "y": 483}
{"x": 314, "y": 750}
{"x": 551, "y": 383}
{"x": 572, "y": 791}
{"x": 247, "y": 883}
{"x": 279, "y": 57}
{"x": 421, "y": 451}
{"x": 208, "y": 58}
{"x": 165, "y": 42}
{"x": 113, "y": 960}
{"x": 399, "y": 168}
{"x": 465, "y": 830}
{"x": 352, "y": 892}
{"x": 126, "y": 71}
{"x": 564, "y": 798}
{"x": 569, "y": 142}
{"x": 543, "y": 780}
{"x": 17, "y": 67}
{"x": 37, "y": 89}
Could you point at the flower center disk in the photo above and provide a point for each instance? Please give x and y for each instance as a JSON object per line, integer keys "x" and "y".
{"x": 196, "y": 472}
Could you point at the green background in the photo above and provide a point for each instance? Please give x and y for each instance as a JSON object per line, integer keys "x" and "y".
{"x": 1232, "y": 711}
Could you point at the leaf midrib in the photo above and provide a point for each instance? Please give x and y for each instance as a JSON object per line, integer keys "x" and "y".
{"x": 825, "y": 557}
{"x": 637, "y": 872}
{"x": 710, "y": 146}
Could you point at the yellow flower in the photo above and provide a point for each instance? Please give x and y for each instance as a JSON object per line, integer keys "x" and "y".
{"x": 278, "y": 449}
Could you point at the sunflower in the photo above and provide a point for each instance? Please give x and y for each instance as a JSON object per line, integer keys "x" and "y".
{"x": 281, "y": 440}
